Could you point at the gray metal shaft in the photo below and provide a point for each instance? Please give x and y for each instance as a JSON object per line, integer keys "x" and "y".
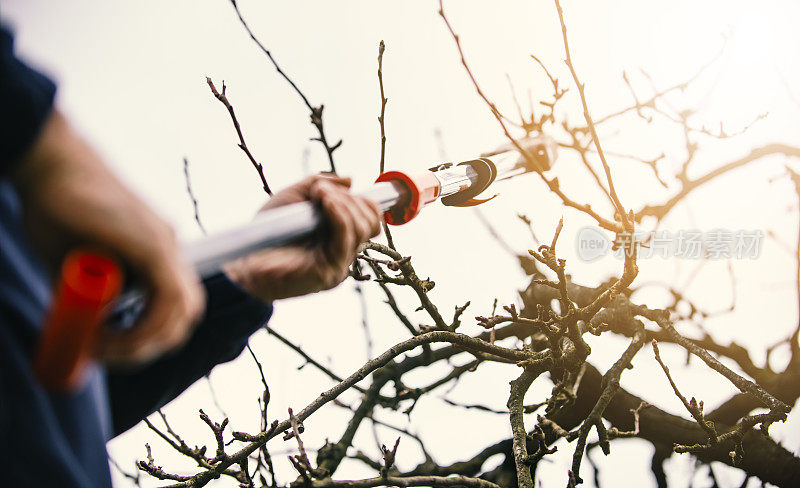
{"x": 274, "y": 228}
{"x": 455, "y": 179}
{"x": 270, "y": 229}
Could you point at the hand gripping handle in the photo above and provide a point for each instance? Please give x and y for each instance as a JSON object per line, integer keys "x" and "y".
{"x": 86, "y": 296}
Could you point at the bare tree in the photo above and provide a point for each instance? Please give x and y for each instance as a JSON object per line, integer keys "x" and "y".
{"x": 544, "y": 338}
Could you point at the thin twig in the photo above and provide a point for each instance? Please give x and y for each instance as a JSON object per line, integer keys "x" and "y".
{"x": 316, "y": 112}
{"x": 693, "y": 407}
{"x": 382, "y": 123}
{"x": 620, "y": 209}
{"x": 242, "y": 145}
{"x": 191, "y": 194}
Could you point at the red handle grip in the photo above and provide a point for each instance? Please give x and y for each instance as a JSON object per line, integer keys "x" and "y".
{"x": 88, "y": 283}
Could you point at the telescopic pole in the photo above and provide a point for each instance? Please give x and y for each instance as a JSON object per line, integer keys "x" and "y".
{"x": 87, "y": 296}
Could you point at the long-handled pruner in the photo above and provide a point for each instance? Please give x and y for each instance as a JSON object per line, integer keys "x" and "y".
{"x": 90, "y": 286}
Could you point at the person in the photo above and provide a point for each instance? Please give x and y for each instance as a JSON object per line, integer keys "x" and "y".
{"x": 55, "y": 193}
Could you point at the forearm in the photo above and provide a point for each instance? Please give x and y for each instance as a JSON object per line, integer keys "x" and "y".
{"x": 56, "y": 156}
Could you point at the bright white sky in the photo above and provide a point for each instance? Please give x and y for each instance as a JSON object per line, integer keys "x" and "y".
{"x": 132, "y": 78}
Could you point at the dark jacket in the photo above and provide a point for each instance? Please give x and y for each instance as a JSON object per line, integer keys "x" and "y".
{"x": 59, "y": 439}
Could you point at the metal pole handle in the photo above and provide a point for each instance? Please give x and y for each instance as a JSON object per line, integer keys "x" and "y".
{"x": 274, "y": 228}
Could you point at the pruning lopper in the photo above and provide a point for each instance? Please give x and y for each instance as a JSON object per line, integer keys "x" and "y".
{"x": 90, "y": 291}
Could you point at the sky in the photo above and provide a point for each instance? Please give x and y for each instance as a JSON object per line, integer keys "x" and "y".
{"x": 131, "y": 77}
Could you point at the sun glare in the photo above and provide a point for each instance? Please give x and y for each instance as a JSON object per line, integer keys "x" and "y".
{"x": 749, "y": 83}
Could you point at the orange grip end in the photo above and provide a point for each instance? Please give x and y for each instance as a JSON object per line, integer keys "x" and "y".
{"x": 423, "y": 189}
{"x": 88, "y": 283}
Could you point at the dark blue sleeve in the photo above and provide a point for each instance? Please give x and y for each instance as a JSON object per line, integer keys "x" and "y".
{"x": 232, "y": 316}
{"x": 26, "y": 99}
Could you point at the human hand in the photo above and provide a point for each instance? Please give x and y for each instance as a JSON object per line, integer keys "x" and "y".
{"x": 310, "y": 266}
{"x": 69, "y": 198}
